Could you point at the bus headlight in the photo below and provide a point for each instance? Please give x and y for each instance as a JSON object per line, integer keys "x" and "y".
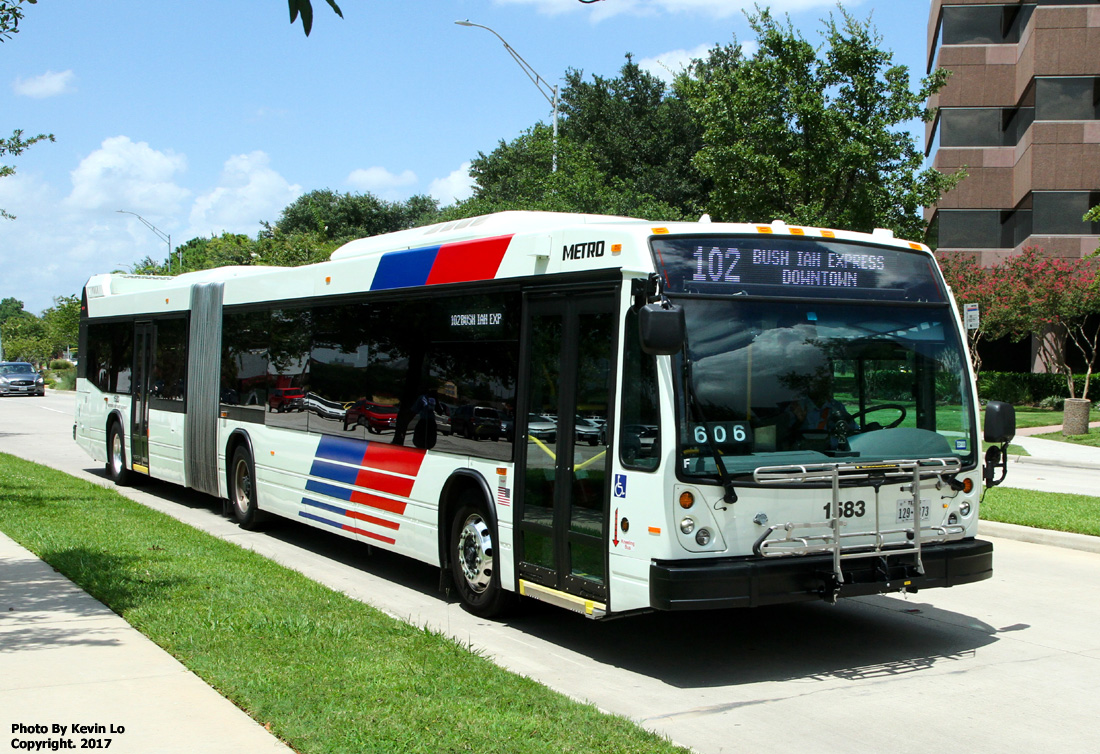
{"x": 964, "y": 508}
{"x": 702, "y": 537}
{"x": 687, "y": 525}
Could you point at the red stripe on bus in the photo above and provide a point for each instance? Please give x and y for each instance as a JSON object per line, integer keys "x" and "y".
{"x": 381, "y": 503}
{"x": 372, "y": 535}
{"x": 468, "y": 260}
{"x": 400, "y": 460}
{"x": 394, "y": 485}
{"x": 374, "y": 520}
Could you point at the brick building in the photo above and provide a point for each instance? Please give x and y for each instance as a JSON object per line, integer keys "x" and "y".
{"x": 1021, "y": 112}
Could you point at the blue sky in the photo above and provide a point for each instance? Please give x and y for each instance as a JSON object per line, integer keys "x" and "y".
{"x": 208, "y": 116}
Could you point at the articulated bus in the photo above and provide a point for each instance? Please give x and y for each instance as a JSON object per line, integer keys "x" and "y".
{"x": 608, "y": 414}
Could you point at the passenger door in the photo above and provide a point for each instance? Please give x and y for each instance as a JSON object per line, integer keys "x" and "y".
{"x": 144, "y": 348}
{"x": 563, "y": 496}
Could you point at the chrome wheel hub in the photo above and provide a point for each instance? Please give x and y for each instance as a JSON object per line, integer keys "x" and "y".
{"x": 242, "y": 484}
{"x": 116, "y": 453}
{"x": 475, "y": 553}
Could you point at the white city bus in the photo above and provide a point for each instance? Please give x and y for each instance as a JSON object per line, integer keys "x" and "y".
{"x": 608, "y": 414}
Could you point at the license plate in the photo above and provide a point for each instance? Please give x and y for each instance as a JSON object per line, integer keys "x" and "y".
{"x": 905, "y": 511}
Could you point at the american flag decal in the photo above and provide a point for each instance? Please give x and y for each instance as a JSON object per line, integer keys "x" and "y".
{"x": 503, "y": 495}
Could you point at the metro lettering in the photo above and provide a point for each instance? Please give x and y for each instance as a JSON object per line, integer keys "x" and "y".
{"x": 586, "y": 250}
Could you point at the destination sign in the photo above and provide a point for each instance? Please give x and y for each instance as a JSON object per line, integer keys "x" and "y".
{"x": 807, "y": 268}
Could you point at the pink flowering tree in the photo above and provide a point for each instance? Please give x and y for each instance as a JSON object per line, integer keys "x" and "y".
{"x": 1047, "y": 296}
{"x": 973, "y": 284}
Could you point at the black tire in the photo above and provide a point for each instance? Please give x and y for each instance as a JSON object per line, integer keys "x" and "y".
{"x": 242, "y": 489}
{"x": 473, "y": 549}
{"x": 117, "y": 469}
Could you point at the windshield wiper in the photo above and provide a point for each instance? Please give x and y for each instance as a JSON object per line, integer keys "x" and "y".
{"x": 730, "y": 496}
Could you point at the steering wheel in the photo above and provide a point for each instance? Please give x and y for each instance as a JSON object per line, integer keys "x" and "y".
{"x": 871, "y": 409}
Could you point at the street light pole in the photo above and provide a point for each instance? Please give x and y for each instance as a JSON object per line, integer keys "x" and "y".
{"x": 166, "y": 237}
{"x": 550, "y": 92}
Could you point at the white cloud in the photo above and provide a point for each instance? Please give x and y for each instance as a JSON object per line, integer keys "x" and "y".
{"x": 49, "y": 84}
{"x": 122, "y": 174}
{"x": 666, "y": 65}
{"x": 380, "y": 181}
{"x": 250, "y": 191}
{"x": 455, "y": 187}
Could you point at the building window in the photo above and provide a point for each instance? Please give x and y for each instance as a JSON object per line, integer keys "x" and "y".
{"x": 1067, "y": 98}
{"x": 983, "y": 126}
{"x": 984, "y": 24}
{"x": 1061, "y": 212}
{"x": 975, "y": 229}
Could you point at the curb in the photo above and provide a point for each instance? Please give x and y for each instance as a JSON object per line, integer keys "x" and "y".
{"x": 1086, "y": 465}
{"x": 1068, "y": 540}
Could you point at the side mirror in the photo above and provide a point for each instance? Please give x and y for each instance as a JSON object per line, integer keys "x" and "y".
{"x": 1000, "y": 422}
{"x": 661, "y": 328}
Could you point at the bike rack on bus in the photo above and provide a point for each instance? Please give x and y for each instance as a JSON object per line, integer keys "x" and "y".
{"x": 924, "y": 474}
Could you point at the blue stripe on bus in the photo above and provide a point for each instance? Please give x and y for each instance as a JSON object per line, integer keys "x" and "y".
{"x": 311, "y": 517}
{"x": 325, "y": 506}
{"x": 334, "y": 472}
{"x": 342, "y": 449}
{"x": 330, "y": 490}
{"x": 404, "y": 269}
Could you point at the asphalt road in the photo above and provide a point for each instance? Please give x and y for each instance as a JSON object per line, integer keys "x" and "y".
{"x": 1009, "y": 664}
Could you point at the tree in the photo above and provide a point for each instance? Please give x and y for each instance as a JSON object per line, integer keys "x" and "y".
{"x": 11, "y": 13}
{"x": 1093, "y": 216}
{"x": 1058, "y": 301}
{"x": 625, "y": 148}
{"x": 517, "y": 176}
{"x": 343, "y": 217}
{"x": 62, "y": 323}
{"x": 813, "y": 139}
{"x": 305, "y": 9}
{"x": 25, "y": 339}
{"x": 10, "y": 307}
{"x": 638, "y": 131}
{"x": 973, "y": 284}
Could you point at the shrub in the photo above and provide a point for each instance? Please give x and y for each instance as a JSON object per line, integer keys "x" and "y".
{"x": 1025, "y": 388}
{"x": 61, "y": 364}
{"x": 63, "y": 379}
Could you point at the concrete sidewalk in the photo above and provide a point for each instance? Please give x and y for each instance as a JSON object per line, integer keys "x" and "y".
{"x": 65, "y": 660}
{"x": 1055, "y": 452}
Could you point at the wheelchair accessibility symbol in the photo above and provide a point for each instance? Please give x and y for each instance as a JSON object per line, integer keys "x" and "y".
{"x": 620, "y": 485}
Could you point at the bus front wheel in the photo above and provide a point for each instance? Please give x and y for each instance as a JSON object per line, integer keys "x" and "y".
{"x": 242, "y": 489}
{"x": 473, "y": 561}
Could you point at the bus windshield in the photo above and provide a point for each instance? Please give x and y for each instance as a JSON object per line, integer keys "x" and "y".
{"x": 768, "y": 382}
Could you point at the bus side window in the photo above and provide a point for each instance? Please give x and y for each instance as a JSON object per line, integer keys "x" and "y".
{"x": 639, "y": 419}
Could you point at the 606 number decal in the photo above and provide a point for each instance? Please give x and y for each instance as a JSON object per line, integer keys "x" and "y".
{"x": 847, "y": 509}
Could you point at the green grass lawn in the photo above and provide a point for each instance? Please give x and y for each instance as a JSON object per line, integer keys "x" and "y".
{"x": 1031, "y": 416}
{"x": 326, "y": 673}
{"x": 1043, "y": 510}
{"x": 1092, "y": 438}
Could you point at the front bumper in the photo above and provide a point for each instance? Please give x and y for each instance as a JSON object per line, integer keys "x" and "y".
{"x": 750, "y": 582}
{"x": 22, "y": 390}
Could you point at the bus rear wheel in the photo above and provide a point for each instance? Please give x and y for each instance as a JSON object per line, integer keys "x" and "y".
{"x": 117, "y": 470}
{"x": 473, "y": 553}
{"x": 242, "y": 489}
